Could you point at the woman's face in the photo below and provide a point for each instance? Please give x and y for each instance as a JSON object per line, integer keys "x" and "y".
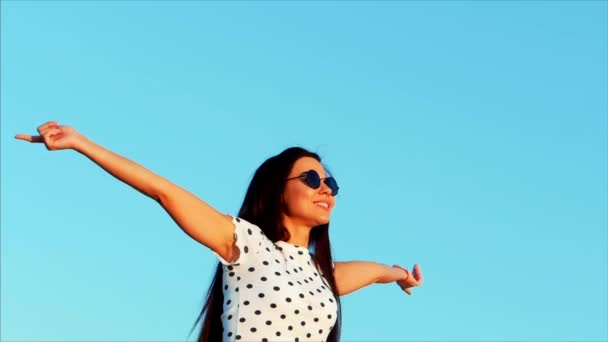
{"x": 303, "y": 204}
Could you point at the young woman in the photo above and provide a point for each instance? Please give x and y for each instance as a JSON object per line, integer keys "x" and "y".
{"x": 275, "y": 279}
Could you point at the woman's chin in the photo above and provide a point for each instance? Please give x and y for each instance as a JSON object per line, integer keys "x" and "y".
{"x": 323, "y": 220}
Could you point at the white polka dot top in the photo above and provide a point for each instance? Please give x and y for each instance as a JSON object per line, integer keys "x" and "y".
{"x": 273, "y": 292}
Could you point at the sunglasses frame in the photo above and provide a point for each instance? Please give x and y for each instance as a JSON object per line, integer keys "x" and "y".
{"x": 311, "y": 176}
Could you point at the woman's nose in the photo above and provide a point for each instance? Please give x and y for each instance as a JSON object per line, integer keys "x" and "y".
{"x": 324, "y": 189}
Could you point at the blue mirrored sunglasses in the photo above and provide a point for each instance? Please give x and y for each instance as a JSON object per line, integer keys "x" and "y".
{"x": 313, "y": 180}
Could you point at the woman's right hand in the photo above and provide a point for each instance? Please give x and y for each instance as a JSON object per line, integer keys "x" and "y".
{"x": 54, "y": 137}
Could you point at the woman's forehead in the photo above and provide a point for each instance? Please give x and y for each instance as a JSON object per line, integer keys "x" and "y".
{"x": 307, "y": 163}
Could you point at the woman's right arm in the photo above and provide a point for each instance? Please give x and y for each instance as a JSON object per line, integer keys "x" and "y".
{"x": 195, "y": 217}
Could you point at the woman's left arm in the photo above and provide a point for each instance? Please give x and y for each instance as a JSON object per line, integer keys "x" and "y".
{"x": 353, "y": 275}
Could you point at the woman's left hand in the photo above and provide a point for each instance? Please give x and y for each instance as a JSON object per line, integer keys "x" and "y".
{"x": 412, "y": 279}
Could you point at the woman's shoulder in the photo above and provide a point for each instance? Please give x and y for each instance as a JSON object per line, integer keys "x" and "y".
{"x": 250, "y": 240}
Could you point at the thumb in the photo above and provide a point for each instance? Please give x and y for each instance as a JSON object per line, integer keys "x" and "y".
{"x": 30, "y": 138}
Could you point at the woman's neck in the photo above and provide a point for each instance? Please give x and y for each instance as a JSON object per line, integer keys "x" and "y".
{"x": 299, "y": 233}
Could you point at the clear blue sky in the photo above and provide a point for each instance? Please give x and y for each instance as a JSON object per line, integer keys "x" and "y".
{"x": 468, "y": 137}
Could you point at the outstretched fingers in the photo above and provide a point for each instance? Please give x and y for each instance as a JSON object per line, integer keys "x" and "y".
{"x": 42, "y": 129}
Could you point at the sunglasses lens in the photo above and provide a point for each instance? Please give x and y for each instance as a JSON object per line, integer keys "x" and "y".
{"x": 312, "y": 179}
{"x": 333, "y": 185}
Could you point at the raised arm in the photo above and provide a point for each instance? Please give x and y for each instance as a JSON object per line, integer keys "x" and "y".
{"x": 195, "y": 217}
{"x": 353, "y": 275}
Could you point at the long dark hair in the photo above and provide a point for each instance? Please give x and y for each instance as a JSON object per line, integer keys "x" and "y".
{"x": 263, "y": 206}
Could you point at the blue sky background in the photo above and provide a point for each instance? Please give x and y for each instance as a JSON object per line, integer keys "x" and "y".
{"x": 468, "y": 137}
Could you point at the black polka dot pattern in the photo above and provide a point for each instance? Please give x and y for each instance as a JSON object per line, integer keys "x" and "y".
{"x": 274, "y": 292}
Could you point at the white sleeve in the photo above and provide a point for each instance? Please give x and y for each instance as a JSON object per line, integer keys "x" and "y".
{"x": 250, "y": 240}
